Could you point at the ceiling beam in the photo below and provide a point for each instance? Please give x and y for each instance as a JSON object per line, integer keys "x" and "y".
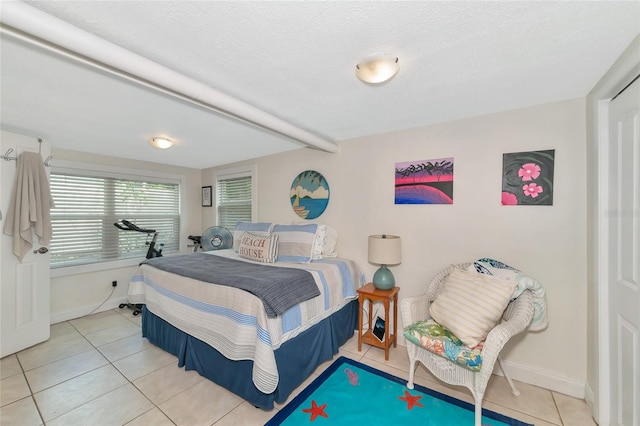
{"x": 30, "y": 24}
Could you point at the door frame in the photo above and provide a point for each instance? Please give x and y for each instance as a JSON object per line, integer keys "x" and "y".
{"x": 619, "y": 76}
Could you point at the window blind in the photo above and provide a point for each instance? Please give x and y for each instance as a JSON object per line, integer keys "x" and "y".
{"x": 234, "y": 200}
{"x": 88, "y": 206}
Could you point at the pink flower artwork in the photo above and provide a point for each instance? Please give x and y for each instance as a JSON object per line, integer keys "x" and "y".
{"x": 532, "y": 190}
{"x": 527, "y": 178}
{"x": 509, "y": 199}
{"x": 529, "y": 172}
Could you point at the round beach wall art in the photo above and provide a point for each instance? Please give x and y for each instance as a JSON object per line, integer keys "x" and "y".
{"x": 309, "y": 194}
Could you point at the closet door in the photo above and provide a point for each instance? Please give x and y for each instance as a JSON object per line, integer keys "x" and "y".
{"x": 624, "y": 255}
{"x": 24, "y": 286}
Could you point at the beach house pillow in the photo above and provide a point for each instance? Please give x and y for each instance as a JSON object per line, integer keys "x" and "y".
{"x": 256, "y": 228}
{"x": 295, "y": 242}
{"x": 258, "y": 247}
{"x": 471, "y": 304}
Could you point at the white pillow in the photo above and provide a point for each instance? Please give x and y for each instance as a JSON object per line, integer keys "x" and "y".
{"x": 324, "y": 244}
{"x": 318, "y": 242}
{"x": 330, "y": 242}
{"x": 471, "y": 304}
{"x": 259, "y": 247}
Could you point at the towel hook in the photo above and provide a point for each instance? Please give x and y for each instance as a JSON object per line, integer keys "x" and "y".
{"x": 6, "y": 155}
{"x": 47, "y": 161}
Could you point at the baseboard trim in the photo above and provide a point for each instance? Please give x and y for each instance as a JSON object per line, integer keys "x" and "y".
{"x": 86, "y": 310}
{"x": 590, "y": 399}
{"x": 547, "y": 379}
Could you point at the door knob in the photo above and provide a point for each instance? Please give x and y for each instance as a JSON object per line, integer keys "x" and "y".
{"x": 41, "y": 250}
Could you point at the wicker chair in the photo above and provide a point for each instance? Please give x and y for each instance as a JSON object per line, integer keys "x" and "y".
{"x": 517, "y": 317}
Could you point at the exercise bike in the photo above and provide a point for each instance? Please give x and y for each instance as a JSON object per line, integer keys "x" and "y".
{"x": 197, "y": 242}
{"x": 152, "y": 252}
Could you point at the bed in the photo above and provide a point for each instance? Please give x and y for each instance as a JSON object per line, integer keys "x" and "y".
{"x": 235, "y": 337}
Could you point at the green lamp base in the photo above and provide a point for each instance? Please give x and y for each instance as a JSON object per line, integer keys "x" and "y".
{"x": 383, "y": 279}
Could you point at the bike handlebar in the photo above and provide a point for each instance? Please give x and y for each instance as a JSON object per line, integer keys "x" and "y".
{"x": 128, "y": 226}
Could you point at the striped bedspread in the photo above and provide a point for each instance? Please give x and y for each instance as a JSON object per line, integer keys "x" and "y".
{"x": 279, "y": 288}
{"x": 233, "y": 321}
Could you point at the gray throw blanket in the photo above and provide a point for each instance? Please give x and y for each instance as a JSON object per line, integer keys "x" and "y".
{"x": 279, "y": 288}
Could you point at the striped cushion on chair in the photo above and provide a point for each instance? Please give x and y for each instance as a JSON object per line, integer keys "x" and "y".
{"x": 471, "y": 304}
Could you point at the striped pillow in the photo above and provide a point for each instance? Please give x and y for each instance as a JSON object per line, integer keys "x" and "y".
{"x": 258, "y": 247}
{"x": 295, "y": 242}
{"x": 471, "y": 304}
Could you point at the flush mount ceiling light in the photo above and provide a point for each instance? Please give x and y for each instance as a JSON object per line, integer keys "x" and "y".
{"x": 161, "y": 143}
{"x": 377, "y": 69}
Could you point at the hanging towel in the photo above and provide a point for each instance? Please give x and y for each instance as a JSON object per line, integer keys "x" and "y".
{"x": 30, "y": 205}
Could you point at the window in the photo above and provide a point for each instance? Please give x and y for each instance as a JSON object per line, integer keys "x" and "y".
{"x": 87, "y": 206}
{"x": 235, "y": 197}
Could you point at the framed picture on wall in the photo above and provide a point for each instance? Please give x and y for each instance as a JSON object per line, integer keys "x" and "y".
{"x": 527, "y": 178}
{"x": 425, "y": 181}
{"x": 309, "y": 194}
{"x": 206, "y": 196}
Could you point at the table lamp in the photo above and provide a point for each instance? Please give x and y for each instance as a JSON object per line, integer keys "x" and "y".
{"x": 384, "y": 250}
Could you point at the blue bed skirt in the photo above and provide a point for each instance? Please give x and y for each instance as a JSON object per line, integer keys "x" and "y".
{"x": 296, "y": 359}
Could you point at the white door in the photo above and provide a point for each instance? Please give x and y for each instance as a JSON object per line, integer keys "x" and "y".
{"x": 24, "y": 286}
{"x": 624, "y": 256}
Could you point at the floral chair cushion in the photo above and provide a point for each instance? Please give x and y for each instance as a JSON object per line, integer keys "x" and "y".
{"x": 439, "y": 340}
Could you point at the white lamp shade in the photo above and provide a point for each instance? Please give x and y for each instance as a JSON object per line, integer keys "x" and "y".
{"x": 377, "y": 69}
{"x": 384, "y": 249}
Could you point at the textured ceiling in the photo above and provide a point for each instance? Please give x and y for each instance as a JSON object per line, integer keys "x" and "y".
{"x": 296, "y": 61}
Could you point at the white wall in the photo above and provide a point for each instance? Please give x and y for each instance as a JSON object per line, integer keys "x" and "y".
{"x": 548, "y": 242}
{"x": 73, "y": 296}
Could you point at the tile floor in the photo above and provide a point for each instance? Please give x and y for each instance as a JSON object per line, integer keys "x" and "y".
{"x": 98, "y": 370}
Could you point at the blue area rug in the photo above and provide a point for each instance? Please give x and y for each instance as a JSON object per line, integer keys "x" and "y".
{"x": 351, "y": 393}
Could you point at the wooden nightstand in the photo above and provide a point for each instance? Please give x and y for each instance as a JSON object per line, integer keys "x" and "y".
{"x": 369, "y": 292}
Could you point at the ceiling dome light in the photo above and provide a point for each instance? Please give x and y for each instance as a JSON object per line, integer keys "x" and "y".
{"x": 377, "y": 69}
{"x": 161, "y": 143}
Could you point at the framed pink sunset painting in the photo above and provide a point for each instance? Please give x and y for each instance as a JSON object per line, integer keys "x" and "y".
{"x": 424, "y": 182}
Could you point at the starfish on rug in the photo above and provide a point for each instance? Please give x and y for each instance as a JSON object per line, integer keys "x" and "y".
{"x": 411, "y": 400}
{"x": 316, "y": 410}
